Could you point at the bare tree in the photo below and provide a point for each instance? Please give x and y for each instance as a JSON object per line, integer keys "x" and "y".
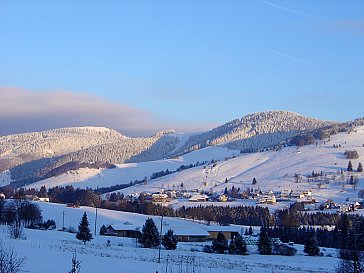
{"x": 76, "y": 264}
{"x": 10, "y": 260}
{"x": 16, "y": 230}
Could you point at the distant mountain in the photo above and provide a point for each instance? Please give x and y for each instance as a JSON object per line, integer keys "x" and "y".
{"x": 255, "y": 131}
{"x": 35, "y": 156}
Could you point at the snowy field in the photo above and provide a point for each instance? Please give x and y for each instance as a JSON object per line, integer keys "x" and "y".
{"x": 51, "y": 251}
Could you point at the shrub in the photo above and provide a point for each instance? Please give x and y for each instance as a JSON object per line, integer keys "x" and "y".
{"x": 207, "y": 249}
{"x": 351, "y": 154}
{"x": 284, "y": 250}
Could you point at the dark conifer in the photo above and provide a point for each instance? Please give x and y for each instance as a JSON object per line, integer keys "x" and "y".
{"x": 360, "y": 168}
{"x": 350, "y": 167}
{"x": 103, "y": 230}
{"x": 169, "y": 241}
{"x": 150, "y": 235}
{"x": 311, "y": 246}
{"x": 238, "y": 246}
{"x": 84, "y": 233}
{"x": 264, "y": 244}
{"x": 220, "y": 244}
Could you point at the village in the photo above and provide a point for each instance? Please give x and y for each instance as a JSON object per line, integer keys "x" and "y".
{"x": 306, "y": 190}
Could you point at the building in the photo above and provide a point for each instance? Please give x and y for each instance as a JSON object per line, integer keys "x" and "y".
{"x": 285, "y": 194}
{"x": 188, "y": 233}
{"x": 198, "y": 198}
{"x": 223, "y": 198}
{"x": 297, "y": 194}
{"x": 130, "y": 231}
{"x": 229, "y": 231}
{"x": 160, "y": 197}
{"x": 268, "y": 199}
{"x": 307, "y": 200}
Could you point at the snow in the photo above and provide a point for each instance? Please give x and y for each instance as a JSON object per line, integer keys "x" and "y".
{"x": 124, "y": 173}
{"x": 274, "y": 170}
{"x": 5, "y": 178}
{"x": 51, "y": 251}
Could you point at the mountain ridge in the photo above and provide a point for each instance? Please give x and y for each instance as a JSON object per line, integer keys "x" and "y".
{"x": 34, "y": 156}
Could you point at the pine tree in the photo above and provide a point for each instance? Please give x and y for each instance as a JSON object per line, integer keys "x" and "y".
{"x": 254, "y": 181}
{"x": 150, "y": 235}
{"x": 84, "y": 233}
{"x": 169, "y": 241}
{"x": 103, "y": 230}
{"x": 264, "y": 244}
{"x": 250, "y": 231}
{"x": 311, "y": 246}
{"x": 360, "y": 168}
{"x": 220, "y": 244}
{"x": 238, "y": 246}
{"x": 350, "y": 167}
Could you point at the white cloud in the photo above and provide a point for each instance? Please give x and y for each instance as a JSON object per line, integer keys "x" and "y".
{"x": 24, "y": 111}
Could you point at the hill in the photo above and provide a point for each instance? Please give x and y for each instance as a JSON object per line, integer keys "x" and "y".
{"x": 32, "y": 157}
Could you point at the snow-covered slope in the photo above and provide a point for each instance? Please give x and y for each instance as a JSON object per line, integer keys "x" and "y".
{"x": 21, "y": 148}
{"x": 255, "y": 131}
{"x": 52, "y": 251}
{"x": 36, "y": 156}
{"x": 275, "y": 170}
{"x": 124, "y": 173}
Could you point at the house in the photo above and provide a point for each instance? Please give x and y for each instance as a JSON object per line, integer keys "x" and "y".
{"x": 171, "y": 194}
{"x": 285, "y": 194}
{"x": 130, "y": 231}
{"x": 307, "y": 192}
{"x": 229, "y": 231}
{"x": 189, "y": 233}
{"x": 198, "y": 198}
{"x": 268, "y": 199}
{"x": 160, "y": 197}
{"x": 223, "y": 198}
{"x": 185, "y": 233}
{"x": 254, "y": 239}
{"x": 43, "y": 199}
{"x": 349, "y": 206}
{"x": 31, "y": 197}
{"x": 297, "y": 194}
{"x": 329, "y": 204}
{"x": 307, "y": 200}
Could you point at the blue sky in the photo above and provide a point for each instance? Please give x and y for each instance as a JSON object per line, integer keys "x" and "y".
{"x": 184, "y": 62}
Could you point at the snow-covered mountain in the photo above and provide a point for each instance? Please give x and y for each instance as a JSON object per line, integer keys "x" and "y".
{"x": 255, "y": 131}
{"x": 35, "y": 156}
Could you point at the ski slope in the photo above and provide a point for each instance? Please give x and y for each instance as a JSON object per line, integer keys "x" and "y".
{"x": 274, "y": 170}
{"x": 124, "y": 173}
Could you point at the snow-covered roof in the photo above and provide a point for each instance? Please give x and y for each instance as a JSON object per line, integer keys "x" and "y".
{"x": 224, "y": 228}
{"x": 126, "y": 227}
{"x": 198, "y": 197}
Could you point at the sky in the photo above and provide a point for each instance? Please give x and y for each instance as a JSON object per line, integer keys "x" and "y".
{"x": 142, "y": 66}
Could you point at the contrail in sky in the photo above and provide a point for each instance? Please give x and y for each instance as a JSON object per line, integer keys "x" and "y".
{"x": 297, "y": 12}
{"x": 283, "y": 55}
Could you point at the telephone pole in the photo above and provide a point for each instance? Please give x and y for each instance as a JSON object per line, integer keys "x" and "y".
{"x": 63, "y": 221}
{"x": 95, "y": 220}
{"x": 160, "y": 241}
